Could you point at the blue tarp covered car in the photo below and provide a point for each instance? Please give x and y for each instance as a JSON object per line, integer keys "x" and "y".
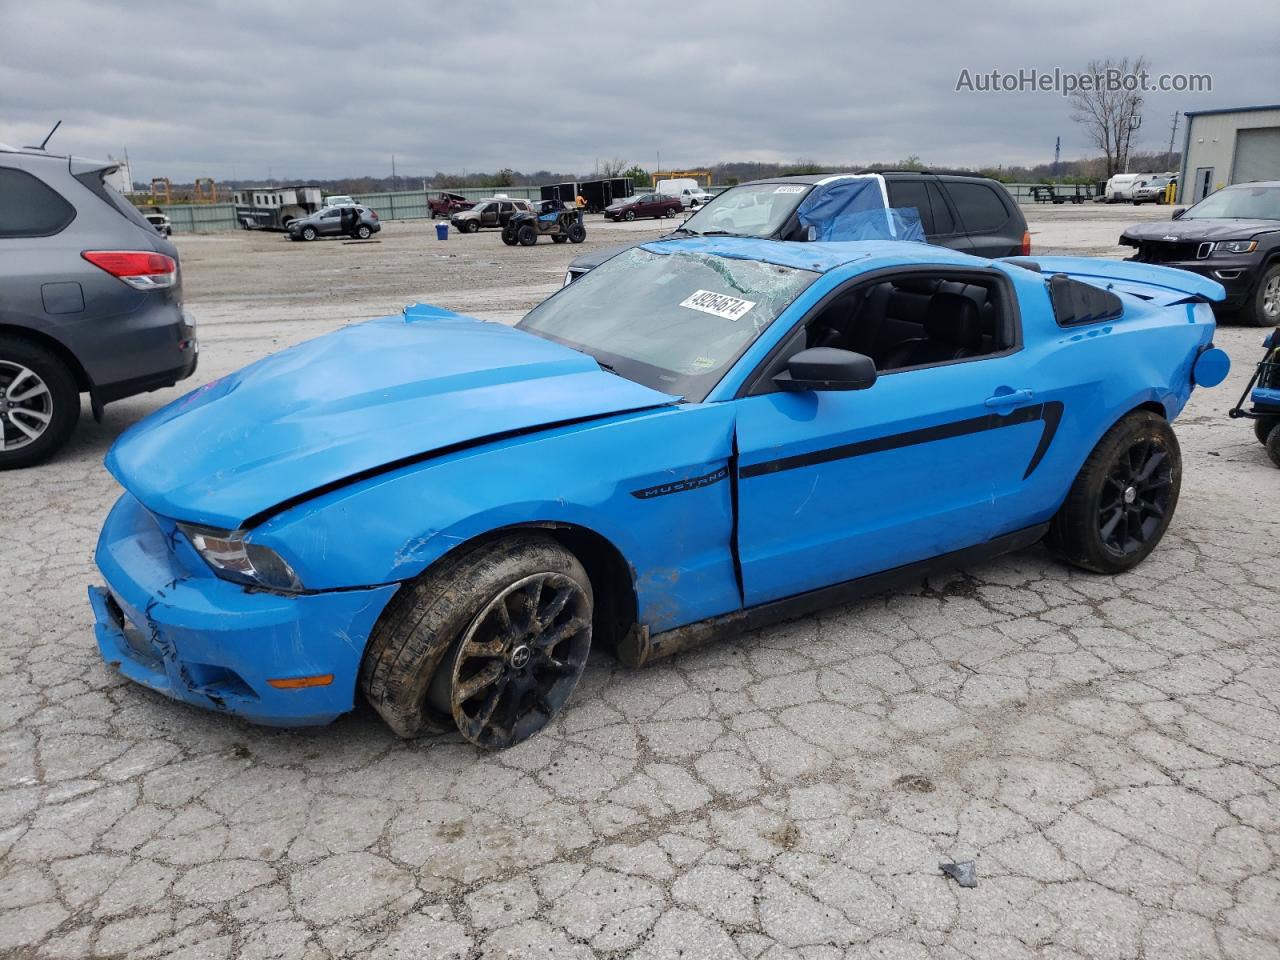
{"x": 699, "y": 437}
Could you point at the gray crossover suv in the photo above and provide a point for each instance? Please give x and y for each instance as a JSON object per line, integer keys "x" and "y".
{"x": 90, "y": 301}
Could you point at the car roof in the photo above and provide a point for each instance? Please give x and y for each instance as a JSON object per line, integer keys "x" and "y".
{"x": 814, "y": 178}
{"x": 821, "y": 257}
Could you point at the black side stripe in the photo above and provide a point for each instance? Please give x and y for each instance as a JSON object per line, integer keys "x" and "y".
{"x": 1050, "y": 413}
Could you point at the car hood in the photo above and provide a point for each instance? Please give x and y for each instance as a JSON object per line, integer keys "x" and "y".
{"x": 386, "y": 392}
{"x": 1201, "y": 229}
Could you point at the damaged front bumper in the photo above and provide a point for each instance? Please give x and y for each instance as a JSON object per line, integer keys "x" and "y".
{"x": 168, "y": 623}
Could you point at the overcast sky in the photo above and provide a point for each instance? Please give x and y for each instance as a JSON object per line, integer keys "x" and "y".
{"x": 322, "y": 89}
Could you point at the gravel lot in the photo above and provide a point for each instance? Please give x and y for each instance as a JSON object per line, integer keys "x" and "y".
{"x": 1106, "y": 749}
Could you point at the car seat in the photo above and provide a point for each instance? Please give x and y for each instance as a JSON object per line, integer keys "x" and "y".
{"x": 953, "y": 331}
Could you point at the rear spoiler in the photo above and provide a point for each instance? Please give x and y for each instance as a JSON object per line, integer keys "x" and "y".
{"x": 1166, "y": 286}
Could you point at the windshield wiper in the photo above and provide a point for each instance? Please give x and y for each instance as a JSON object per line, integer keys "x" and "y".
{"x": 722, "y": 233}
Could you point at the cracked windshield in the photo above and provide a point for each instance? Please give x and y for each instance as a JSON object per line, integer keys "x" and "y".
{"x": 674, "y": 322}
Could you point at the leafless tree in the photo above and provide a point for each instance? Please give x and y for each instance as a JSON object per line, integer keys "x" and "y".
{"x": 1110, "y": 115}
{"x": 613, "y": 168}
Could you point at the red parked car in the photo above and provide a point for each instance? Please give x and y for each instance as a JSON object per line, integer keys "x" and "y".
{"x": 644, "y": 205}
{"x": 443, "y": 204}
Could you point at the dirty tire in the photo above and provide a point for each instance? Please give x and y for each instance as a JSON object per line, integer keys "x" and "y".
{"x": 1264, "y": 310}
{"x": 577, "y": 232}
{"x": 309, "y": 233}
{"x": 559, "y": 238}
{"x": 1273, "y": 445}
{"x": 1262, "y": 428}
{"x": 408, "y": 667}
{"x": 508, "y": 238}
{"x": 1123, "y": 498}
{"x": 526, "y": 235}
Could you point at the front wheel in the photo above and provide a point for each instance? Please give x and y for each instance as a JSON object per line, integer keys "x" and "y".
{"x": 1123, "y": 498}
{"x": 629, "y": 215}
{"x": 473, "y": 226}
{"x": 508, "y": 238}
{"x": 577, "y": 233}
{"x": 1273, "y": 445}
{"x": 559, "y": 238}
{"x": 309, "y": 233}
{"x": 492, "y": 641}
{"x": 1266, "y": 300}
{"x": 39, "y": 403}
{"x": 526, "y": 235}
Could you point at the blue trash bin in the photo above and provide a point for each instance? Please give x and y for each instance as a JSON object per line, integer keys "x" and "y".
{"x": 442, "y": 231}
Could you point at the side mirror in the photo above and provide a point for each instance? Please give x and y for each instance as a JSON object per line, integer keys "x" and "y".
{"x": 1177, "y": 214}
{"x": 827, "y": 368}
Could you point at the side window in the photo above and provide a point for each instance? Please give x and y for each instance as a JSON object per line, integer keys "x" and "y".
{"x": 943, "y": 222}
{"x": 912, "y": 194}
{"x": 30, "y": 208}
{"x": 505, "y": 208}
{"x": 980, "y": 207}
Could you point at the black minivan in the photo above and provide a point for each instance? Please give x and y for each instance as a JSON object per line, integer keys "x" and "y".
{"x": 968, "y": 213}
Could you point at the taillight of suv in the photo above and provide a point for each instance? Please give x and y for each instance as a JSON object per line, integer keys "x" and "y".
{"x": 1026, "y": 243}
{"x": 140, "y": 270}
{"x": 373, "y": 214}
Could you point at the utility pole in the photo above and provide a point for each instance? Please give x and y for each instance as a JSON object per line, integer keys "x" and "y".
{"x": 1057, "y": 155}
{"x": 1173, "y": 130}
{"x": 393, "y": 171}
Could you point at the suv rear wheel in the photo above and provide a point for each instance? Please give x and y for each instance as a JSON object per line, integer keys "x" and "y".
{"x": 39, "y": 403}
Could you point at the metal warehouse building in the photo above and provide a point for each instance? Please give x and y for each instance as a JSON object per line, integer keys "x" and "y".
{"x": 1231, "y": 145}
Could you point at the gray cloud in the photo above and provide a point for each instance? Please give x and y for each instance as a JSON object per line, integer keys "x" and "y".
{"x": 328, "y": 89}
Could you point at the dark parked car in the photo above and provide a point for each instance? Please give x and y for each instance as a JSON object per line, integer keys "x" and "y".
{"x": 966, "y": 213}
{"x": 495, "y": 212}
{"x": 446, "y": 204}
{"x": 90, "y": 301}
{"x": 328, "y": 223}
{"x": 1232, "y": 236}
{"x": 644, "y": 205}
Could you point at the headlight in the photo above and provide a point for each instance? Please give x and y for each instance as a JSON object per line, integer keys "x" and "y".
{"x": 568, "y": 278}
{"x": 1236, "y": 246}
{"x": 234, "y": 558}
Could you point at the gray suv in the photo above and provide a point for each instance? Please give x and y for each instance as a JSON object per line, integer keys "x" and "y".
{"x": 90, "y": 301}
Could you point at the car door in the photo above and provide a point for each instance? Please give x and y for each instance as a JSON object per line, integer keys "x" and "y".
{"x": 986, "y": 218}
{"x": 836, "y": 485}
{"x": 329, "y": 221}
{"x": 505, "y": 209}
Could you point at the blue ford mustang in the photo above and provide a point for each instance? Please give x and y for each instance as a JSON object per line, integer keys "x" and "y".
{"x": 702, "y": 435}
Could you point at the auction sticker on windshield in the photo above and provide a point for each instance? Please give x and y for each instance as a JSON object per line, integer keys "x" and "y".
{"x": 717, "y": 304}
{"x": 791, "y": 188}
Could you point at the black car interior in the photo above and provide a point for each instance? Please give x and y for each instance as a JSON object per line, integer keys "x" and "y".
{"x": 907, "y": 322}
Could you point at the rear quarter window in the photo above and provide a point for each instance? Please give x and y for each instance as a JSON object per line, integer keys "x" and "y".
{"x": 95, "y": 180}
{"x": 980, "y": 207}
{"x": 29, "y": 207}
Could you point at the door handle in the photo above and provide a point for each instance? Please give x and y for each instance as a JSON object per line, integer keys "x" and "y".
{"x": 1010, "y": 398}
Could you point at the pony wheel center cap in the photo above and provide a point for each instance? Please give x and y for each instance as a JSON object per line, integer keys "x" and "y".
{"x": 1130, "y": 494}
{"x": 520, "y": 656}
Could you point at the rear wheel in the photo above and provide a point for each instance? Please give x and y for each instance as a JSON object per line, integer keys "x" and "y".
{"x": 1123, "y": 498}
{"x": 1273, "y": 445}
{"x": 492, "y": 641}
{"x": 526, "y": 235}
{"x": 39, "y": 403}
{"x": 577, "y": 232}
{"x": 364, "y": 232}
{"x": 1262, "y": 428}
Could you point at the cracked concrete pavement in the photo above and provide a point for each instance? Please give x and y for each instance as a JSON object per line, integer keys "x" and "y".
{"x": 1106, "y": 749}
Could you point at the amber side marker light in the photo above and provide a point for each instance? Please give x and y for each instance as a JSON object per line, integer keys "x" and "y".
{"x": 297, "y": 683}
